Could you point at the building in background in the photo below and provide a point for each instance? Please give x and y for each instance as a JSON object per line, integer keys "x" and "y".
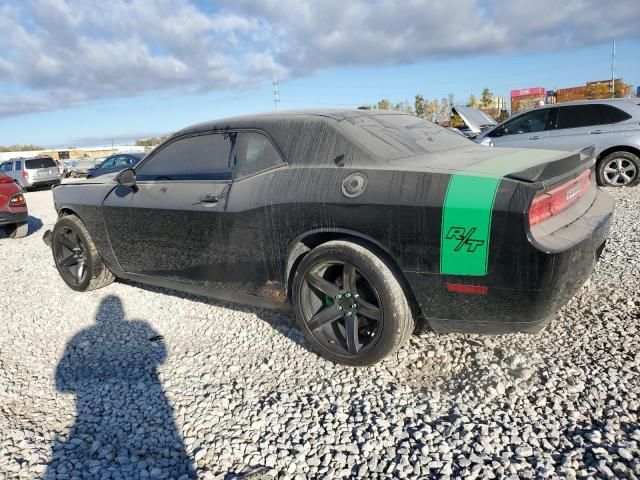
{"x": 497, "y": 109}
{"x": 70, "y": 153}
{"x": 526, "y": 98}
{"x": 591, "y": 90}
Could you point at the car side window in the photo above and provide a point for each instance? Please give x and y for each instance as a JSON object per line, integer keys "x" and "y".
{"x": 8, "y": 167}
{"x": 122, "y": 161}
{"x": 199, "y": 157}
{"x": 109, "y": 162}
{"x": 531, "y": 122}
{"x": 18, "y": 166}
{"x": 613, "y": 114}
{"x": 576, "y": 116}
{"x": 254, "y": 153}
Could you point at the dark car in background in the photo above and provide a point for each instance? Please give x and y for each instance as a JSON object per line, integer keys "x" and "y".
{"x": 365, "y": 222}
{"x": 13, "y": 208}
{"x": 115, "y": 163}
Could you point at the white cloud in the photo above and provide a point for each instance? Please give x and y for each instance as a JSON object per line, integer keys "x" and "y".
{"x": 62, "y": 53}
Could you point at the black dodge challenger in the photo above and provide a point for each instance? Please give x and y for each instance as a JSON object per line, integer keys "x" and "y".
{"x": 369, "y": 223}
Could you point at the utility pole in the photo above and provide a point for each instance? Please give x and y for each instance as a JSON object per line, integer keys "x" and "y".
{"x": 276, "y": 93}
{"x": 613, "y": 70}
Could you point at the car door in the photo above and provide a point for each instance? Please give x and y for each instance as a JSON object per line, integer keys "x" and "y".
{"x": 172, "y": 223}
{"x": 524, "y": 131}
{"x": 16, "y": 172}
{"x": 578, "y": 126}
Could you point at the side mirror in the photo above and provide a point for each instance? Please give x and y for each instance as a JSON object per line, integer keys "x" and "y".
{"x": 127, "y": 177}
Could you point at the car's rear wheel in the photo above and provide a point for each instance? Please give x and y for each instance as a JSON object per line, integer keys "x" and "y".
{"x": 619, "y": 169}
{"x": 349, "y": 304}
{"x": 76, "y": 257}
{"x": 17, "y": 230}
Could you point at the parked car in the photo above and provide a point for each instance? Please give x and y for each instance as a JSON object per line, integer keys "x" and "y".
{"x": 365, "y": 221}
{"x": 612, "y": 126}
{"x": 115, "y": 163}
{"x": 32, "y": 172}
{"x": 13, "y": 208}
{"x": 476, "y": 120}
{"x": 78, "y": 167}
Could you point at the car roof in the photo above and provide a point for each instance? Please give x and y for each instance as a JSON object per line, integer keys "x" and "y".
{"x": 34, "y": 158}
{"x": 245, "y": 121}
{"x": 299, "y": 134}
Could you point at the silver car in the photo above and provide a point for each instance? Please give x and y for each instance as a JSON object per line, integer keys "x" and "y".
{"x": 32, "y": 172}
{"x": 78, "y": 167}
{"x": 612, "y": 126}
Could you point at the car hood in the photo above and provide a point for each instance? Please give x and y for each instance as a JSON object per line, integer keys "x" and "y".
{"x": 106, "y": 178}
{"x": 475, "y": 119}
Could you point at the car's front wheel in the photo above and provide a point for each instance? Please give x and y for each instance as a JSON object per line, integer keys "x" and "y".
{"x": 17, "y": 230}
{"x": 619, "y": 169}
{"x": 76, "y": 256}
{"x": 350, "y": 304}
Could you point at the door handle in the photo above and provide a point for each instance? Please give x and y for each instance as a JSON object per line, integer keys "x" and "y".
{"x": 210, "y": 199}
{"x": 595, "y": 132}
{"x": 534, "y": 137}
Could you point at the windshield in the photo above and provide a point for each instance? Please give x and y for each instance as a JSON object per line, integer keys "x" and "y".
{"x": 44, "y": 162}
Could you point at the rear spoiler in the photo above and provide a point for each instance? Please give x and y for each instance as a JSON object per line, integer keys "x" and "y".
{"x": 557, "y": 170}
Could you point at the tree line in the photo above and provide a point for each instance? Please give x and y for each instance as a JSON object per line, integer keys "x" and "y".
{"x": 434, "y": 110}
{"x": 20, "y": 148}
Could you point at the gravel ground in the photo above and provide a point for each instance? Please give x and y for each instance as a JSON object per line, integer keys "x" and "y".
{"x": 137, "y": 382}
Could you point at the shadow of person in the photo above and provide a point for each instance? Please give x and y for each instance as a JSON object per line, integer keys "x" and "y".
{"x": 124, "y": 426}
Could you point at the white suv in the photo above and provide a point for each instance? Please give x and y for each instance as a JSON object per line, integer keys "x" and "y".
{"x": 32, "y": 172}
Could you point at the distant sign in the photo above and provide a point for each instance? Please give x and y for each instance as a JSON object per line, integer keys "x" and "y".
{"x": 528, "y": 92}
{"x": 64, "y": 155}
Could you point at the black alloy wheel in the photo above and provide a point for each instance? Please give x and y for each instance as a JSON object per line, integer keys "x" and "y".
{"x": 76, "y": 257}
{"x": 349, "y": 303}
{"x": 70, "y": 256}
{"x": 343, "y": 307}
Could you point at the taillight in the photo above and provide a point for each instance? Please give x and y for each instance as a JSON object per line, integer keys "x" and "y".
{"x": 552, "y": 202}
{"x": 17, "y": 200}
{"x": 25, "y": 174}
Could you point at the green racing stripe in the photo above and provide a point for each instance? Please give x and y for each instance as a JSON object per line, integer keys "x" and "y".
{"x": 466, "y": 225}
{"x": 468, "y": 207}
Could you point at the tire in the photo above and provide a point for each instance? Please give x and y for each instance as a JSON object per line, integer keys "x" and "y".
{"x": 70, "y": 242}
{"x": 373, "y": 305}
{"x": 17, "y": 230}
{"x": 619, "y": 169}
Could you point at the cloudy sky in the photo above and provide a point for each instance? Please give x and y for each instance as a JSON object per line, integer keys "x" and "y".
{"x": 86, "y": 71}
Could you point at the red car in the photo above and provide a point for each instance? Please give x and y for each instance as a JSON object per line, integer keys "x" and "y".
{"x": 13, "y": 208}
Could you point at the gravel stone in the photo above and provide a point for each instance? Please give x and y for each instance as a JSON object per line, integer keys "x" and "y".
{"x": 230, "y": 391}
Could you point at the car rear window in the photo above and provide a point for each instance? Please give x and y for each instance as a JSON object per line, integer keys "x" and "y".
{"x": 613, "y": 114}
{"x": 397, "y": 136}
{"x": 44, "y": 162}
{"x": 576, "y": 116}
